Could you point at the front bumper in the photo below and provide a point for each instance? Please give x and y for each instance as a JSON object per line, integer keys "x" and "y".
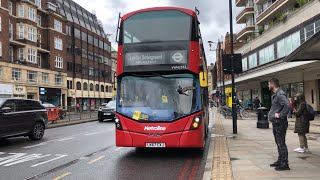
{"x": 106, "y": 115}
{"x": 185, "y": 139}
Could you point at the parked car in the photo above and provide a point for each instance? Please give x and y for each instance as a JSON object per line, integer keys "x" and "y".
{"x": 62, "y": 113}
{"x": 22, "y": 117}
{"x": 107, "y": 111}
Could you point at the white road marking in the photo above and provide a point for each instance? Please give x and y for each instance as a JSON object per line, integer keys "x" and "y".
{"x": 93, "y": 133}
{"x": 119, "y": 148}
{"x": 17, "y": 158}
{"x": 54, "y": 159}
{"x": 65, "y": 139}
{"x": 36, "y": 145}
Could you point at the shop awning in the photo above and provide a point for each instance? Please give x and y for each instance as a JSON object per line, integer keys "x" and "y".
{"x": 308, "y": 51}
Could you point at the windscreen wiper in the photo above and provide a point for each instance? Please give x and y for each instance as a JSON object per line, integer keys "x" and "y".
{"x": 183, "y": 91}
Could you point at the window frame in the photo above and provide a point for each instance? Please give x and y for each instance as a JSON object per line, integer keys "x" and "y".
{"x": 45, "y": 78}
{"x": 58, "y": 62}
{"x": 57, "y": 25}
{"x": 16, "y": 71}
{"x": 32, "y": 73}
{"x": 32, "y": 56}
{"x": 58, "y": 44}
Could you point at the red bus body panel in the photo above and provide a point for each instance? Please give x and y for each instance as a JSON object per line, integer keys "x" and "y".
{"x": 187, "y": 11}
{"x": 177, "y": 133}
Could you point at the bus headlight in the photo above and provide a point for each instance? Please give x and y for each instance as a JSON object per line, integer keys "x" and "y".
{"x": 118, "y": 123}
{"x": 195, "y": 123}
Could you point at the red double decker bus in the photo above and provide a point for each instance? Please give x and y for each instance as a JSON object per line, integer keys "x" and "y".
{"x": 162, "y": 95}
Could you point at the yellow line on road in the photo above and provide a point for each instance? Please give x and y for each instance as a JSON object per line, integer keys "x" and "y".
{"x": 62, "y": 176}
{"x": 95, "y": 160}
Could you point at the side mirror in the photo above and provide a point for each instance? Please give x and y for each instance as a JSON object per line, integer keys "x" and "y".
{"x": 5, "y": 110}
{"x": 203, "y": 79}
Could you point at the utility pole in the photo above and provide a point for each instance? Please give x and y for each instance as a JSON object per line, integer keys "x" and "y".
{"x": 234, "y": 110}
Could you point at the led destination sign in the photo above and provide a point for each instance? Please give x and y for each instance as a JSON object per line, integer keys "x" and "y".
{"x": 156, "y": 58}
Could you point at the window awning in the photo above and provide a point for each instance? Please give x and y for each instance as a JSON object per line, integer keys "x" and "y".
{"x": 308, "y": 51}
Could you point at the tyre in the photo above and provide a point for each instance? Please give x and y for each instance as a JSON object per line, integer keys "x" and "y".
{"x": 245, "y": 113}
{"x": 37, "y": 131}
{"x": 100, "y": 120}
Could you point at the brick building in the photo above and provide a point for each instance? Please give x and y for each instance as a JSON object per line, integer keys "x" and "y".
{"x": 223, "y": 47}
{"x": 53, "y": 51}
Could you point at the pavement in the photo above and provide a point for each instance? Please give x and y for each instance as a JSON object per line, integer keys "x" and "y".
{"x": 248, "y": 154}
{"x": 87, "y": 151}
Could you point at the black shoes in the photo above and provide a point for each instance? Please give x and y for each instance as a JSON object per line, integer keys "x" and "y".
{"x": 282, "y": 168}
{"x": 275, "y": 164}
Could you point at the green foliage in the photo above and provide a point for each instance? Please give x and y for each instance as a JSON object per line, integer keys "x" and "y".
{"x": 302, "y": 2}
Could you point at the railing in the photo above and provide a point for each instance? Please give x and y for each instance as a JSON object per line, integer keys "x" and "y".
{"x": 71, "y": 113}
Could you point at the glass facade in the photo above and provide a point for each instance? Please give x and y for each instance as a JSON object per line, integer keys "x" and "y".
{"x": 253, "y": 61}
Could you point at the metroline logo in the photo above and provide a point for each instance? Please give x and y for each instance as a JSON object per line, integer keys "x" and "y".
{"x": 154, "y": 128}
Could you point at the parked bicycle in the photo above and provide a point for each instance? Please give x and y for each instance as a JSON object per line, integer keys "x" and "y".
{"x": 241, "y": 112}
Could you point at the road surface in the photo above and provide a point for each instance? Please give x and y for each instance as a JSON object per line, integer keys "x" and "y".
{"x": 88, "y": 151}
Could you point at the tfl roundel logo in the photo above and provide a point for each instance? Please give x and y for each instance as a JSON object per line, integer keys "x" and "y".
{"x": 177, "y": 57}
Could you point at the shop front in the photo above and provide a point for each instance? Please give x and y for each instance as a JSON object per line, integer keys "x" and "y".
{"x": 50, "y": 95}
{"x": 19, "y": 91}
{"x": 6, "y": 90}
{"x": 33, "y": 93}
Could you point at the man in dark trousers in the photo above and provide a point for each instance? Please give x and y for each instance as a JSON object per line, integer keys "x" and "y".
{"x": 256, "y": 103}
{"x": 278, "y": 116}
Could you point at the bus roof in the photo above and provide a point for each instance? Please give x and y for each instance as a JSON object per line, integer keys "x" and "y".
{"x": 184, "y": 10}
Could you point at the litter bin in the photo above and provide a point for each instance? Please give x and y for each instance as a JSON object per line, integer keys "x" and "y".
{"x": 263, "y": 122}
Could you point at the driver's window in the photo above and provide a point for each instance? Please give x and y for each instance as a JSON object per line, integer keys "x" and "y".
{"x": 11, "y": 104}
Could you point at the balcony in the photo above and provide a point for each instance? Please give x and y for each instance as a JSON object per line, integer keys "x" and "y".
{"x": 271, "y": 10}
{"x": 43, "y": 48}
{"x": 242, "y": 16}
{"x": 17, "y": 40}
{"x": 241, "y": 3}
{"x": 245, "y": 32}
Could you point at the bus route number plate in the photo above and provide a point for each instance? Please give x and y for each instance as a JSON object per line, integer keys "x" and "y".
{"x": 156, "y": 145}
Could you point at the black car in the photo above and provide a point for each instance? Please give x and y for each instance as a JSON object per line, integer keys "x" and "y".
{"x": 22, "y": 117}
{"x": 107, "y": 111}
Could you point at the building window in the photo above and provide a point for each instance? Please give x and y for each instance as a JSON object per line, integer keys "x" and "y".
{"x": 281, "y": 52}
{"x": 0, "y": 72}
{"x": 38, "y": 3}
{"x": 0, "y": 49}
{"x": 31, "y": 14}
{"x": 68, "y": 30}
{"x": 253, "y": 61}
{"x": 45, "y": 78}
{"x": 97, "y": 87}
{"x": 39, "y": 20}
{"x": 309, "y": 31}
{"x": 58, "y": 62}
{"x": 91, "y": 87}
{"x": 58, "y": 80}
{"x": 76, "y": 33}
{"x": 58, "y": 43}
{"x": 102, "y": 88}
{"x": 21, "y": 54}
{"x": 91, "y": 71}
{"x": 39, "y": 57}
{"x": 85, "y": 86}
{"x": 10, "y": 7}
{"x": 1, "y": 26}
{"x": 32, "y": 55}
{"x": 266, "y": 55}
{"x": 244, "y": 64}
{"x": 21, "y": 11}
{"x": 16, "y": 74}
{"x": 21, "y": 32}
{"x": 58, "y": 25}
{"x": 78, "y": 85}
{"x": 32, "y": 34}
{"x": 32, "y": 76}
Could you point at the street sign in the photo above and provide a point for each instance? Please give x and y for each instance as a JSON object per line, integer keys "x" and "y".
{"x": 226, "y": 63}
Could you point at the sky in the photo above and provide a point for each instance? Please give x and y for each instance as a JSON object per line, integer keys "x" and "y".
{"x": 214, "y": 16}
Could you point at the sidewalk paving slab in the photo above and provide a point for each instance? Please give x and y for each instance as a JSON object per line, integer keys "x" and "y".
{"x": 252, "y": 150}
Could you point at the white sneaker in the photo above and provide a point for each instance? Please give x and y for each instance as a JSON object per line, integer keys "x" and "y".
{"x": 298, "y": 150}
{"x": 301, "y": 151}
{"x": 307, "y": 150}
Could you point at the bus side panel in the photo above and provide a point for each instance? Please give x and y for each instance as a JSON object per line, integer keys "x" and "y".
{"x": 120, "y": 61}
{"x": 194, "y": 62}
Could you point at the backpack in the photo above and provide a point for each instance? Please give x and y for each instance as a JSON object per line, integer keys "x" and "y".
{"x": 309, "y": 113}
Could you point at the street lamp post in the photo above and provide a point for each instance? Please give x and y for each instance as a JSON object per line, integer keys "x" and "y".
{"x": 234, "y": 110}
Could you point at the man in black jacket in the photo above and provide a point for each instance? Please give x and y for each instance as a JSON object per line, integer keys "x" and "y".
{"x": 278, "y": 116}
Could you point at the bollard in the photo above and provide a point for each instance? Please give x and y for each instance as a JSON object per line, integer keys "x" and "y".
{"x": 263, "y": 122}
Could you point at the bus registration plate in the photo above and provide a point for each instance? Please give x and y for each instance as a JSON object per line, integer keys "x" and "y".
{"x": 156, "y": 145}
